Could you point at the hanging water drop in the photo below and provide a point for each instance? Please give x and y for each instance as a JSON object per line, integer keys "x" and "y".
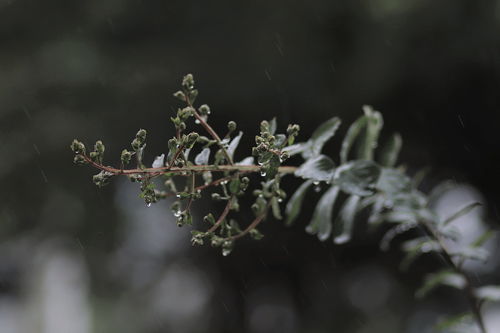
{"x": 263, "y": 173}
{"x": 196, "y": 121}
{"x": 148, "y": 204}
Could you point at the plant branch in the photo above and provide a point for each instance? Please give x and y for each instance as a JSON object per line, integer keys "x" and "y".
{"x": 469, "y": 288}
{"x": 192, "y": 168}
{"x": 222, "y": 216}
{"x": 210, "y": 131}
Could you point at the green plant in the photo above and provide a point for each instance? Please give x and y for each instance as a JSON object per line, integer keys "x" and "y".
{"x": 360, "y": 181}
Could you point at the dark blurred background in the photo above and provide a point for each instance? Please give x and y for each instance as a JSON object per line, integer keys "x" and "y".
{"x": 74, "y": 258}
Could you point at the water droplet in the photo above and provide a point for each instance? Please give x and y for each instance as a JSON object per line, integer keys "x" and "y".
{"x": 317, "y": 188}
{"x": 263, "y": 173}
{"x": 148, "y": 204}
{"x": 224, "y": 182}
{"x": 280, "y": 200}
{"x": 316, "y": 183}
{"x": 177, "y": 213}
{"x": 226, "y": 252}
{"x": 178, "y": 196}
{"x": 196, "y": 121}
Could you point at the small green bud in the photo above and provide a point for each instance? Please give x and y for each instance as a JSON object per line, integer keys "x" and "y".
{"x": 204, "y": 110}
{"x": 227, "y": 247}
{"x": 77, "y": 147}
{"x": 126, "y": 156}
{"x": 79, "y": 160}
{"x": 180, "y": 95}
{"x": 231, "y": 126}
{"x": 209, "y": 219}
{"x": 264, "y": 126}
{"x": 188, "y": 82}
{"x": 141, "y": 135}
{"x": 216, "y": 196}
{"x": 99, "y": 147}
{"x": 293, "y": 130}
{"x": 216, "y": 241}
{"x": 102, "y": 178}
{"x": 191, "y": 139}
{"x": 94, "y": 156}
{"x": 136, "y": 144}
{"x": 256, "y": 234}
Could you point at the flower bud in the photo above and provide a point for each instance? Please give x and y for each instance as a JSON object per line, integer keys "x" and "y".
{"x": 231, "y": 126}
{"x": 188, "y": 82}
{"x": 126, "y": 156}
{"x": 99, "y": 147}
{"x": 77, "y": 147}
{"x": 204, "y": 110}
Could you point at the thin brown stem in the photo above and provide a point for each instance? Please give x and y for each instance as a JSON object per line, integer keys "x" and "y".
{"x": 210, "y": 131}
{"x": 192, "y": 168}
{"x": 251, "y": 226}
{"x": 222, "y": 216}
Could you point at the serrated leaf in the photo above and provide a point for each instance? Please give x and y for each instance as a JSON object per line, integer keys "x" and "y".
{"x": 352, "y": 133}
{"x": 320, "y": 168}
{"x": 321, "y": 222}
{"x": 390, "y": 152}
{"x": 489, "y": 293}
{"x": 345, "y": 221}
{"x": 320, "y": 136}
{"x": 445, "y": 277}
{"x": 393, "y": 182}
{"x": 234, "y": 144}
{"x": 461, "y": 212}
{"x": 296, "y": 148}
{"x": 415, "y": 248}
{"x": 202, "y": 157}
{"x": 294, "y": 205}
{"x": 474, "y": 253}
{"x": 357, "y": 177}
{"x": 392, "y": 233}
{"x": 369, "y": 142}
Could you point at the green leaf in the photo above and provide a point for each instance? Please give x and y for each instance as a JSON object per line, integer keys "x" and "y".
{"x": 461, "y": 212}
{"x": 357, "y": 177}
{"x": 294, "y": 205}
{"x": 415, "y": 248}
{"x": 321, "y": 222}
{"x": 234, "y": 144}
{"x": 318, "y": 169}
{"x": 275, "y": 206}
{"x": 314, "y": 145}
{"x": 483, "y": 238}
{"x": 489, "y": 293}
{"x": 374, "y": 124}
{"x": 462, "y": 323}
{"x": 444, "y": 277}
{"x": 320, "y": 136}
{"x": 296, "y": 148}
{"x": 202, "y": 157}
{"x": 391, "y": 150}
{"x": 473, "y": 253}
{"x": 273, "y": 125}
{"x": 352, "y": 134}
{"x": 345, "y": 221}
{"x": 393, "y": 182}
{"x": 234, "y": 186}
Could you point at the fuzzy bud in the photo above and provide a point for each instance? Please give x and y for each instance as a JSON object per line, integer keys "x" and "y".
{"x": 126, "y": 156}
{"x": 77, "y": 147}
{"x": 231, "y": 126}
